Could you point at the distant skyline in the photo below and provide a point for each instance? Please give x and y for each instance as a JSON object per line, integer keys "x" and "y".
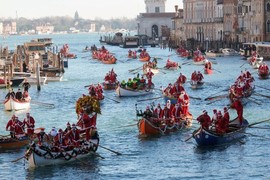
{"x": 87, "y": 9}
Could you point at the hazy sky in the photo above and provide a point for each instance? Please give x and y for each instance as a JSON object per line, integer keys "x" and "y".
{"x": 87, "y": 9}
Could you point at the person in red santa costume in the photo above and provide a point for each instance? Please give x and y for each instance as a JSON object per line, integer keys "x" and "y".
{"x": 238, "y": 106}
{"x": 149, "y": 76}
{"x": 205, "y": 120}
{"x": 176, "y": 112}
{"x": 170, "y": 107}
{"x": 183, "y": 99}
{"x": 29, "y": 121}
{"x": 158, "y": 112}
{"x": 85, "y": 123}
{"x": 74, "y": 136}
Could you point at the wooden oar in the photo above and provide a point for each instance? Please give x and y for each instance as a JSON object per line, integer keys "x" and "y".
{"x": 18, "y": 159}
{"x": 117, "y": 153}
{"x": 216, "y": 70}
{"x": 43, "y": 104}
{"x": 149, "y": 99}
{"x": 216, "y": 97}
{"x": 186, "y": 63}
{"x": 242, "y": 64}
{"x": 250, "y": 125}
{"x": 193, "y": 134}
{"x": 261, "y": 95}
{"x": 98, "y": 155}
{"x": 195, "y": 98}
{"x": 216, "y": 93}
{"x": 254, "y": 101}
{"x": 263, "y": 87}
{"x": 134, "y": 69}
{"x": 259, "y": 127}
{"x": 254, "y": 135}
{"x": 112, "y": 99}
{"x": 128, "y": 125}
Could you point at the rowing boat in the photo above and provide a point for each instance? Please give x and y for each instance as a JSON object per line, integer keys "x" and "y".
{"x": 14, "y": 104}
{"x": 205, "y": 137}
{"x": 127, "y": 92}
{"x": 8, "y": 142}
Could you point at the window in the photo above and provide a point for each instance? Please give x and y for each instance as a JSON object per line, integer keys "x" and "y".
{"x": 268, "y": 7}
{"x": 157, "y": 9}
{"x": 268, "y": 26}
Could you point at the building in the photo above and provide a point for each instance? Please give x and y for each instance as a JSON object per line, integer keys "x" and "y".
{"x": 92, "y": 28}
{"x": 9, "y": 27}
{"x": 1, "y": 28}
{"x": 44, "y": 29}
{"x": 177, "y": 32}
{"x": 155, "y": 23}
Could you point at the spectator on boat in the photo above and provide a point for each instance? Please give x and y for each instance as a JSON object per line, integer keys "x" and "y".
{"x": 19, "y": 95}
{"x": 11, "y": 126}
{"x": 29, "y": 122}
{"x": 10, "y": 93}
{"x": 129, "y": 83}
{"x": 205, "y": 120}
{"x": 237, "y": 104}
{"x": 26, "y": 85}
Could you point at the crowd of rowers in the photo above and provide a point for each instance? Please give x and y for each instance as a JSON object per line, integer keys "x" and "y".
{"x": 196, "y": 77}
{"x": 173, "y": 91}
{"x": 263, "y": 69}
{"x": 19, "y": 95}
{"x": 138, "y": 83}
{"x": 170, "y": 114}
{"x": 96, "y": 90}
{"x": 59, "y": 139}
{"x": 220, "y": 122}
{"x": 243, "y": 85}
{"x": 132, "y": 54}
{"x": 110, "y": 77}
{"x": 102, "y": 54}
{"x": 151, "y": 64}
{"x": 144, "y": 54}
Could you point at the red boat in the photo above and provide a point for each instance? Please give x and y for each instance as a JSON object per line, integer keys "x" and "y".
{"x": 144, "y": 59}
{"x": 155, "y": 126}
{"x": 208, "y": 71}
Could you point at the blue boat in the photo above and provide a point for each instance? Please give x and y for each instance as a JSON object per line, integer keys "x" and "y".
{"x": 211, "y": 138}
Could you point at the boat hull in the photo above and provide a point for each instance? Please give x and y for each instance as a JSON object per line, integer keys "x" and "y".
{"x": 197, "y": 85}
{"x": 13, "y": 104}
{"x": 10, "y": 143}
{"x": 148, "y": 128}
{"x": 145, "y": 59}
{"x": 208, "y": 71}
{"x": 121, "y": 92}
{"x": 110, "y": 86}
{"x": 207, "y": 138}
{"x": 39, "y": 157}
{"x": 146, "y": 70}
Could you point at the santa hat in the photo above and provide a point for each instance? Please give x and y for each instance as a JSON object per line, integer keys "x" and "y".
{"x": 68, "y": 124}
{"x": 225, "y": 109}
{"x": 73, "y": 125}
{"x": 204, "y": 111}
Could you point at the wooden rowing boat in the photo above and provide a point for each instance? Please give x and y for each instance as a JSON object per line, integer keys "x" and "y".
{"x": 110, "y": 86}
{"x": 109, "y": 61}
{"x": 144, "y": 59}
{"x": 205, "y": 137}
{"x": 43, "y": 155}
{"x": 124, "y": 92}
{"x": 153, "y": 70}
{"x": 155, "y": 126}
{"x": 9, "y": 143}
{"x": 263, "y": 75}
{"x": 14, "y": 104}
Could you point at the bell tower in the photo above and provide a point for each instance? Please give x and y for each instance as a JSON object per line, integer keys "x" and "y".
{"x": 155, "y": 6}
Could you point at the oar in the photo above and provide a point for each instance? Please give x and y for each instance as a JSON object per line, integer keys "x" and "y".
{"x": 261, "y": 95}
{"x": 216, "y": 70}
{"x": 254, "y": 101}
{"x": 149, "y": 99}
{"x": 112, "y": 99}
{"x": 43, "y": 104}
{"x": 117, "y": 153}
{"x": 128, "y": 125}
{"x": 4, "y": 135}
{"x": 98, "y": 155}
{"x": 255, "y": 135}
{"x": 250, "y": 125}
{"x": 242, "y": 65}
{"x": 259, "y": 127}
{"x": 18, "y": 159}
{"x": 193, "y": 134}
{"x": 216, "y": 93}
{"x": 263, "y": 87}
{"x": 134, "y": 69}
{"x": 195, "y": 98}
{"x": 186, "y": 63}
{"x": 215, "y": 97}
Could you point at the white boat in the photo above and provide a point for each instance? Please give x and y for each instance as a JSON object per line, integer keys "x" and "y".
{"x": 38, "y": 156}
{"x": 229, "y": 52}
{"x": 255, "y": 62}
{"x": 14, "y": 104}
{"x": 123, "y": 92}
{"x": 196, "y": 85}
{"x": 57, "y": 78}
{"x": 202, "y": 62}
{"x": 31, "y": 78}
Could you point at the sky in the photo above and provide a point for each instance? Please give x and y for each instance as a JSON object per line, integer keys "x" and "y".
{"x": 87, "y": 9}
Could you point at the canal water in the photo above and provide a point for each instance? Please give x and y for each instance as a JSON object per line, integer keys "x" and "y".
{"x": 165, "y": 157}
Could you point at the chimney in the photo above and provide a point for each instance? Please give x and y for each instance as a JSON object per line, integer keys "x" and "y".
{"x": 176, "y": 10}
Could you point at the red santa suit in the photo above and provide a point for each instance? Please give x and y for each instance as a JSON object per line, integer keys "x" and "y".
{"x": 181, "y": 79}
{"x": 74, "y": 136}
{"x": 159, "y": 112}
{"x": 170, "y": 108}
{"x": 176, "y": 113}
{"x": 237, "y": 104}
{"x": 59, "y": 139}
{"x": 204, "y": 120}
{"x": 29, "y": 121}
{"x": 184, "y": 101}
